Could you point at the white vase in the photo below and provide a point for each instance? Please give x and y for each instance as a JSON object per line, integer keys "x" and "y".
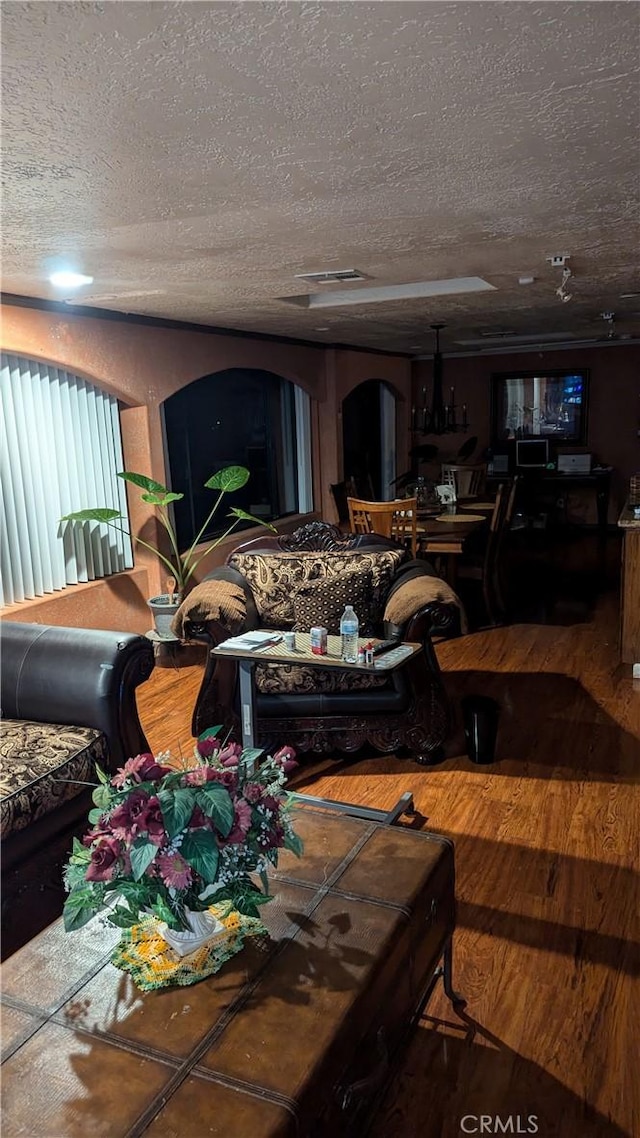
{"x": 203, "y": 927}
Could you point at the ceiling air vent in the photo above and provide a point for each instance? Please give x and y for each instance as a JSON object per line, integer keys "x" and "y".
{"x": 332, "y": 276}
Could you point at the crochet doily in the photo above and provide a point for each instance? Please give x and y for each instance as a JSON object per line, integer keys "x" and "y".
{"x": 149, "y": 960}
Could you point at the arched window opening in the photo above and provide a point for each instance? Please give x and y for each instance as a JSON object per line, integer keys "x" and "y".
{"x": 243, "y": 417}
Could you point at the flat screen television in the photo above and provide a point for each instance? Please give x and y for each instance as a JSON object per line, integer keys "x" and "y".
{"x": 544, "y": 404}
{"x": 531, "y": 453}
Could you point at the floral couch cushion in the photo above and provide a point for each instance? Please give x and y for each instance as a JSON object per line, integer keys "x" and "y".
{"x": 274, "y": 578}
{"x": 36, "y": 758}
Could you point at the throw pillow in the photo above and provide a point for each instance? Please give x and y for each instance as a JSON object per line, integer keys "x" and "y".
{"x": 323, "y": 602}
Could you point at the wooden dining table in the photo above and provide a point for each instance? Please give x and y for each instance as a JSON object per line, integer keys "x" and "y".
{"x": 447, "y": 534}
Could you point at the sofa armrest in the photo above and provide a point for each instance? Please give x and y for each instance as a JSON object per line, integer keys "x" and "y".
{"x": 83, "y": 677}
{"x": 220, "y": 606}
{"x": 422, "y": 605}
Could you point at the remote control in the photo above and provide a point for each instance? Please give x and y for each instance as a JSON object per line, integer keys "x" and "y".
{"x": 393, "y": 656}
{"x": 384, "y": 646}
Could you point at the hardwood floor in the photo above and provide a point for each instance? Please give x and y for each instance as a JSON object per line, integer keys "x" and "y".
{"x": 547, "y": 948}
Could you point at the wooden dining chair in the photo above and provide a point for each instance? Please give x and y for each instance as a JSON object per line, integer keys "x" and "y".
{"x": 484, "y": 566}
{"x": 468, "y": 481}
{"x": 396, "y": 519}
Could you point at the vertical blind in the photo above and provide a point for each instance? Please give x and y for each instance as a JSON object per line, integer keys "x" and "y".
{"x": 60, "y": 450}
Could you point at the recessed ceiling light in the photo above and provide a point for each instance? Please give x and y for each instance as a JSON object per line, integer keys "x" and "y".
{"x": 628, "y": 295}
{"x": 67, "y": 279}
{"x": 324, "y": 328}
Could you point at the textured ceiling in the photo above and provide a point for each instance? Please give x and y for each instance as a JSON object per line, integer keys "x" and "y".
{"x": 194, "y": 157}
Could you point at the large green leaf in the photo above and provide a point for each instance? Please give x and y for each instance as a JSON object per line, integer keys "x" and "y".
{"x": 161, "y": 499}
{"x": 81, "y": 854}
{"x": 123, "y": 918}
{"x": 177, "y": 808}
{"x": 101, "y": 797}
{"x": 237, "y": 512}
{"x": 142, "y": 854}
{"x": 215, "y": 801}
{"x": 229, "y": 479}
{"x": 294, "y": 843}
{"x": 97, "y": 514}
{"x": 164, "y": 913}
{"x": 144, "y": 482}
{"x": 210, "y": 732}
{"x": 78, "y": 908}
{"x": 199, "y": 848}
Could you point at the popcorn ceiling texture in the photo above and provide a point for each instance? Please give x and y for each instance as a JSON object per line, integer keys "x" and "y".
{"x": 194, "y": 157}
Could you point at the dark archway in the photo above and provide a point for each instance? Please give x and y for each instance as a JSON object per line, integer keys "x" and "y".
{"x": 368, "y": 438}
{"x": 239, "y": 416}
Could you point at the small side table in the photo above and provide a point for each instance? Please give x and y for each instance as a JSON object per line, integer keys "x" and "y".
{"x": 176, "y": 653}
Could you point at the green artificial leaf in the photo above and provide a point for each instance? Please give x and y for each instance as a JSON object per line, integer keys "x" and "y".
{"x": 177, "y": 808}
{"x": 142, "y": 854}
{"x": 237, "y": 512}
{"x": 230, "y": 479}
{"x": 294, "y": 843}
{"x": 95, "y": 815}
{"x": 161, "y": 499}
{"x": 210, "y": 733}
{"x": 272, "y": 855}
{"x": 199, "y": 848}
{"x": 78, "y": 908}
{"x": 264, "y": 880}
{"x": 163, "y": 912}
{"x": 102, "y": 776}
{"x": 144, "y": 482}
{"x": 123, "y": 918}
{"x": 101, "y": 797}
{"x": 215, "y": 801}
{"x": 250, "y": 755}
{"x": 74, "y": 874}
{"x": 96, "y": 514}
{"x": 80, "y": 853}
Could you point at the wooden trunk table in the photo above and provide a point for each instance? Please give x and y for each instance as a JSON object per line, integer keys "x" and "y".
{"x": 295, "y": 1037}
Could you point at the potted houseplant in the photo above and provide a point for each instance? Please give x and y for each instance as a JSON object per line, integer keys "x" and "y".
{"x": 181, "y": 566}
{"x": 178, "y": 853}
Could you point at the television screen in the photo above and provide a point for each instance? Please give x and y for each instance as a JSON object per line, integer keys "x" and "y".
{"x": 550, "y": 405}
{"x": 532, "y": 452}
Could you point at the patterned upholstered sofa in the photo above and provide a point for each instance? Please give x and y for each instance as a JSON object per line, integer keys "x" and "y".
{"x": 68, "y": 701}
{"x": 305, "y": 578}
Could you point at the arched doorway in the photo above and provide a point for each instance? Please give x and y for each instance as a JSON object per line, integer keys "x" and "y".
{"x": 369, "y": 439}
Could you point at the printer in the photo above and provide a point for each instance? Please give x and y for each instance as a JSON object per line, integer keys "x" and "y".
{"x": 574, "y": 464}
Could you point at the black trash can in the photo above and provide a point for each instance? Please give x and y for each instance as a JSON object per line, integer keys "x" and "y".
{"x": 480, "y": 716}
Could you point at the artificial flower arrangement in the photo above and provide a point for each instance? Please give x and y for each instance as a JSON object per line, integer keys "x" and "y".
{"x": 171, "y": 841}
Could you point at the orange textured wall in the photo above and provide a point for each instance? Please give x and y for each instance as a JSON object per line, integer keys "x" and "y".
{"x": 613, "y": 409}
{"x": 142, "y": 365}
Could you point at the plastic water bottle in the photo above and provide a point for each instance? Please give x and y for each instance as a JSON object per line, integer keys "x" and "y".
{"x": 349, "y": 626}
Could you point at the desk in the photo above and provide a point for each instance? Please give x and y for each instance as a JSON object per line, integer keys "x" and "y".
{"x": 540, "y": 481}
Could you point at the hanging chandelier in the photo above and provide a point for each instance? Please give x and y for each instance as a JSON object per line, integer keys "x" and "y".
{"x": 443, "y": 416}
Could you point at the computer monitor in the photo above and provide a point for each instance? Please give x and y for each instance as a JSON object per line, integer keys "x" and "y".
{"x": 532, "y": 452}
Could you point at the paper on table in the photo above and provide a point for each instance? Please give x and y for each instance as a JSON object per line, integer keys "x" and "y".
{"x": 250, "y": 640}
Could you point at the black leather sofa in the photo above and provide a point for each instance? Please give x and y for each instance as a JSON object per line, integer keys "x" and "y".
{"x": 68, "y": 701}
